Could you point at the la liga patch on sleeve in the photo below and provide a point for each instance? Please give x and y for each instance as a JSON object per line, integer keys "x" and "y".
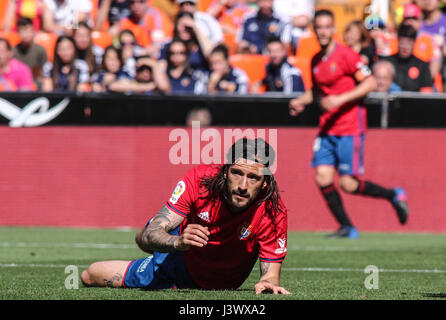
{"x": 179, "y": 190}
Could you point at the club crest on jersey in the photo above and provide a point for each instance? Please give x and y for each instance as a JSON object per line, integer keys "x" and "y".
{"x": 179, "y": 189}
{"x": 245, "y": 232}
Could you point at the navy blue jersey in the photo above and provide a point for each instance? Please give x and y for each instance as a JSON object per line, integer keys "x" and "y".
{"x": 257, "y": 28}
{"x": 283, "y": 78}
{"x": 236, "y": 81}
{"x": 189, "y": 82}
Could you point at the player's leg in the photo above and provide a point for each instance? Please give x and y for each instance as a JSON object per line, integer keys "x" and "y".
{"x": 105, "y": 274}
{"x": 351, "y": 153}
{"x": 325, "y": 180}
{"x": 324, "y": 162}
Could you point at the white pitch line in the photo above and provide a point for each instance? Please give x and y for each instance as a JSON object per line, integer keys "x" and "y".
{"x": 362, "y": 270}
{"x": 66, "y": 245}
{"x": 311, "y": 269}
{"x": 133, "y": 246}
{"x": 36, "y": 265}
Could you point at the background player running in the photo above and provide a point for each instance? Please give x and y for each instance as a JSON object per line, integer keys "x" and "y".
{"x": 211, "y": 231}
{"x": 340, "y": 81}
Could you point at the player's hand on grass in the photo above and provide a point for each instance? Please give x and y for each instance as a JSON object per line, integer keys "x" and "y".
{"x": 193, "y": 235}
{"x": 295, "y": 107}
{"x": 264, "y": 286}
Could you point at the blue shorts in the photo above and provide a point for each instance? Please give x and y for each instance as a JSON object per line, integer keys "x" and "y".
{"x": 160, "y": 271}
{"x": 346, "y": 153}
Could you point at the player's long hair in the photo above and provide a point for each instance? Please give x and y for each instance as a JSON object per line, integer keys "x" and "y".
{"x": 217, "y": 185}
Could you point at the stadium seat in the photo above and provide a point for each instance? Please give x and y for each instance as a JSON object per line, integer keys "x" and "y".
{"x": 304, "y": 65}
{"x": 102, "y": 39}
{"x": 252, "y": 64}
{"x": 93, "y": 15}
{"x": 48, "y": 41}
{"x": 3, "y": 7}
{"x": 203, "y": 5}
{"x": 438, "y": 82}
{"x": 307, "y": 47}
{"x": 12, "y": 37}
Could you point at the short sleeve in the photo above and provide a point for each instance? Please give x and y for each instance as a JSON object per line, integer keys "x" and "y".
{"x": 185, "y": 194}
{"x": 354, "y": 65}
{"x": 272, "y": 239}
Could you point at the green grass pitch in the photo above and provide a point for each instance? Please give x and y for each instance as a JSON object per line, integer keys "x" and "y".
{"x": 411, "y": 266}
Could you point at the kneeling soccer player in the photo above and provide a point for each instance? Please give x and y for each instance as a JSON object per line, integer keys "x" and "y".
{"x": 211, "y": 231}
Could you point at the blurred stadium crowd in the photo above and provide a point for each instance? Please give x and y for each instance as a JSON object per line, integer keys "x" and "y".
{"x": 206, "y": 46}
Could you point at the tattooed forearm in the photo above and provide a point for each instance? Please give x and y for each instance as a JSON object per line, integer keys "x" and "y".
{"x": 114, "y": 282}
{"x": 156, "y": 236}
{"x": 264, "y": 267}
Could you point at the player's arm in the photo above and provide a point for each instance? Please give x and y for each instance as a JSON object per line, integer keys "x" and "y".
{"x": 155, "y": 236}
{"x": 297, "y": 105}
{"x": 270, "y": 279}
{"x": 365, "y": 86}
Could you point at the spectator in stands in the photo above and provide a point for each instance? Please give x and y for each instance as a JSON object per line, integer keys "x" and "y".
{"x": 130, "y": 50}
{"x": 281, "y": 76}
{"x": 199, "y": 46}
{"x": 412, "y": 74}
{"x": 28, "y": 52}
{"x": 85, "y": 49}
{"x": 382, "y": 38}
{"x": 425, "y": 48}
{"x": 15, "y": 73}
{"x": 434, "y": 21}
{"x": 224, "y": 78}
{"x": 110, "y": 70}
{"x": 176, "y": 75}
{"x": 151, "y": 26}
{"x": 66, "y": 73}
{"x": 32, "y": 9}
{"x": 111, "y": 12}
{"x": 357, "y": 37}
{"x": 384, "y": 73}
{"x": 203, "y": 115}
{"x": 300, "y": 13}
{"x": 229, "y": 13}
{"x": 206, "y": 23}
{"x": 144, "y": 80}
{"x": 261, "y": 25}
{"x": 6, "y": 85}
{"x": 62, "y": 16}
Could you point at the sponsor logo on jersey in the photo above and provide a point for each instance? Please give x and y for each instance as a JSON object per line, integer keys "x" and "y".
{"x": 179, "y": 189}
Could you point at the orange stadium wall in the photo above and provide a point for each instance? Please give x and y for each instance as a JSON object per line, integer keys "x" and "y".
{"x": 120, "y": 176}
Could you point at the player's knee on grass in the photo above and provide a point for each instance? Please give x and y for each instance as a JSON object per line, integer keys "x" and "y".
{"x": 105, "y": 274}
{"x": 85, "y": 277}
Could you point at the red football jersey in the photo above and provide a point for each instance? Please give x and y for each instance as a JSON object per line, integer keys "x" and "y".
{"x": 235, "y": 241}
{"x": 336, "y": 74}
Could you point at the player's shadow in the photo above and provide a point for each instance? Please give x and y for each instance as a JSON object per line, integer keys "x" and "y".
{"x": 435, "y": 295}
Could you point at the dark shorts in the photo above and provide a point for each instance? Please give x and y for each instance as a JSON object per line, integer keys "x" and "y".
{"x": 159, "y": 271}
{"x": 346, "y": 153}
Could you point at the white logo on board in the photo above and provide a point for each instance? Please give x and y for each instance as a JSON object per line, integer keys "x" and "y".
{"x": 35, "y": 113}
